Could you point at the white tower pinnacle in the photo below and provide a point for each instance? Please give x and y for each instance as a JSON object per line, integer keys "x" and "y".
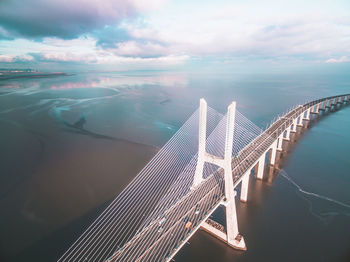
{"x": 202, "y": 137}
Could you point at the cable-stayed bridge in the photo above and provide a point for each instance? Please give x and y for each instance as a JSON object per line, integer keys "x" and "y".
{"x": 194, "y": 173}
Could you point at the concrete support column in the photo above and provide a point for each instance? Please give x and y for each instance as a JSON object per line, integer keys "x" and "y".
{"x": 261, "y": 166}
{"x": 234, "y": 239}
{"x": 288, "y": 134}
{"x": 307, "y": 117}
{"x": 335, "y": 101}
{"x": 232, "y": 223}
{"x": 324, "y": 105}
{"x": 244, "y": 186}
{"x": 318, "y": 108}
{"x": 300, "y": 120}
{"x": 273, "y": 152}
{"x": 294, "y": 126}
{"x": 279, "y": 143}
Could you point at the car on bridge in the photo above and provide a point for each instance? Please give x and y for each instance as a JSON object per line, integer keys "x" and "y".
{"x": 162, "y": 221}
{"x": 188, "y": 225}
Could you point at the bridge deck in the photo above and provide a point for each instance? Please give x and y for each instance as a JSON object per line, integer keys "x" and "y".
{"x": 163, "y": 237}
{"x": 160, "y": 246}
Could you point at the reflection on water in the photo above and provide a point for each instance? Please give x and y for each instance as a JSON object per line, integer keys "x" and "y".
{"x": 70, "y": 143}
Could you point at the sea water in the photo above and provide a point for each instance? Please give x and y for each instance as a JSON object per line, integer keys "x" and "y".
{"x": 71, "y": 143}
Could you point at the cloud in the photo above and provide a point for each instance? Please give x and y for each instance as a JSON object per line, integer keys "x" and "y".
{"x": 117, "y": 31}
{"x": 342, "y": 59}
{"x": 294, "y": 35}
{"x": 253, "y": 30}
{"x": 104, "y": 57}
{"x": 15, "y": 58}
{"x": 6, "y": 58}
{"x": 67, "y": 19}
{"x": 140, "y": 49}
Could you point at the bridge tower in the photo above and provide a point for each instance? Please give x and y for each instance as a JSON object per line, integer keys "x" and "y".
{"x": 233, "y": 238}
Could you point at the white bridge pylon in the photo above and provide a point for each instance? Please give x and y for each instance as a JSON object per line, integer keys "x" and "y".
{"x": 233, "y": 238}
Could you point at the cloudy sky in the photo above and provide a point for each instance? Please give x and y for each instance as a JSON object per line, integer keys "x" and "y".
{"x": 142, "y": 34}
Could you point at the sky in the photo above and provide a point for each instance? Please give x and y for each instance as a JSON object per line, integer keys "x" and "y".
{"x": 163, "y": 34}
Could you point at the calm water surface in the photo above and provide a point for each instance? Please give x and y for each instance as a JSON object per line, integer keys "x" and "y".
{"x": 70, "y": 144}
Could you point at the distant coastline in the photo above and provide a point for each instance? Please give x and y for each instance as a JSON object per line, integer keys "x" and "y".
{"x": 6, "y": 74}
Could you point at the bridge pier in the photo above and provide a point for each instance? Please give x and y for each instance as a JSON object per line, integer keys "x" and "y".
{"x": 294, "y": 126}
{"x": 300, "y": 120}
{"x": 293, "y": 136}
{"x": 307, "y": 114}
{"x": 234, "y": 239}
{"x": 323, "y": 108}
{"x": 261, "y": 166}
{"x": 280, "y": 142}
{"x": 271, "y": 174}
{"x": 273, "y": 153}
{"x": 346, "y": 99}
{"x": 315, "y": 109}
{"x": 287, "y": 134}
{"x": 245, "y": 186}
{"x": 335, "y": 102}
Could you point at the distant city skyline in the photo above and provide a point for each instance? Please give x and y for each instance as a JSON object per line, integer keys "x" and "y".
{"x": 160, "y": 34}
